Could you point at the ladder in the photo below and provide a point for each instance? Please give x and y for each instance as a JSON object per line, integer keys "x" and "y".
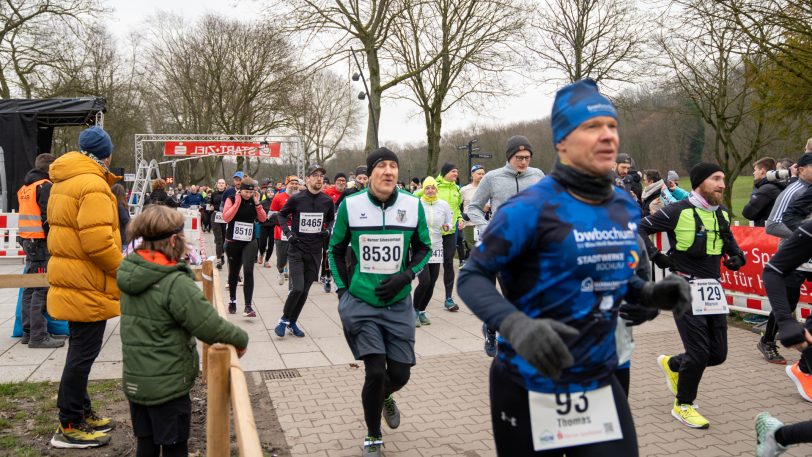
{"x": 143, "y": 178}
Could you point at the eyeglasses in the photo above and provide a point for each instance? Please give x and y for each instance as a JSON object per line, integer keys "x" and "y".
{"x": 317, "y": 176}
{"x": 523, "y": 158}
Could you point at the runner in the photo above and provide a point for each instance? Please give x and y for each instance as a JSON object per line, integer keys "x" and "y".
{"x": 389, "y": 238}
{"x": 266, "y": 241}
{"x": 699, "y": 234}
{"x": 218, "y": 225}
{"x": 240, "y": 213}
{"x": 438, "y": 219}
{"x": 773, "y": 437}
{"x": 334, "y": 192}
{"x": 280, "y": 239}
{"x": 566, "y": 250}
{"x": 467, "y": 192}
{"x": 494, "y": 189}
{"x": 310, "y": 212}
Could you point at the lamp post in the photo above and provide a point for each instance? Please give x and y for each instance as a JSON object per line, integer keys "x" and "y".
{"x": 365, "y": 94}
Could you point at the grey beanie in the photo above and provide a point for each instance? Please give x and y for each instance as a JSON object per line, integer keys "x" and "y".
{"x": 671, "y": 176}
{"x": 515, "y": 144}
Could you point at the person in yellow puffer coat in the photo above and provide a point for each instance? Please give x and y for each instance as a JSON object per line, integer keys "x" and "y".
{"x": 85, "y": 246}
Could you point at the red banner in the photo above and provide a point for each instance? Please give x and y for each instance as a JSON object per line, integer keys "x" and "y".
{"x": 758, "y": 248}
{"x": 220, "y": 148}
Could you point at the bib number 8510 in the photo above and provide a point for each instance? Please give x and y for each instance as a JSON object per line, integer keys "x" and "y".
{"x": 381, "y": 253}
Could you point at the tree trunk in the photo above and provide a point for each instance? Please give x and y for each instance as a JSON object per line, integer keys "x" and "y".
{"x": 374, "y": 102}
{"x": 434, "y": 124}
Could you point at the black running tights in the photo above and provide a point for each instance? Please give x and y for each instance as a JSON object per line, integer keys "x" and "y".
{"x": 146, "y": 448}
{"x": 794, "y": 434}
{"x": 241, "y": 254}
{"x": 383, "y": 377}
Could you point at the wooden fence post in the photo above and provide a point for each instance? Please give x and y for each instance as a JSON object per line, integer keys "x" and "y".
{"x": 208, "y": 292}
{"x": 219, "y": 392}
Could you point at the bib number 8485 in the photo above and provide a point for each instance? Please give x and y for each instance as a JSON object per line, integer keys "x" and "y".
{"x": 380, "y": 253}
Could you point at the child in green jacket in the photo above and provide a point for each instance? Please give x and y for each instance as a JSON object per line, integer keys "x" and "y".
{"x": 162, "y": 312}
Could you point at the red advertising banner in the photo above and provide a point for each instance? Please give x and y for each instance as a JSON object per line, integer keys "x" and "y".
{"x": 220, "y": 148}
{"x": 758, "y": 248}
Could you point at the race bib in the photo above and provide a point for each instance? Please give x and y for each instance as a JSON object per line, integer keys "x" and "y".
{"x": 209, "y": 207}
{"x": 218, "y": 218}
{"x": 436, "y": 256}
{"x": 707, "y": 297}
{"x": 310, "y": 222}
{"x": 573, "y": 419}
{"x": 243, "y": 231}
{"x": 476, "y": 234}
{"x": 380, "y": 254}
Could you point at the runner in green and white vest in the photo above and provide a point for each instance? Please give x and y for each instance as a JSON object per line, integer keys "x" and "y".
{"x": 390, "y": 245}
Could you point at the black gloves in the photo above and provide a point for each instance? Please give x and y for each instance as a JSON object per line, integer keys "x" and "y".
{"x": 392, "y": 285}
{"x": 663, "y": 261}
{"x": 637, "y": 314}
{"x": 672, "y": 293}
{"x": 540, "y": 342}
{"x": 341, "y": 292}
{"x": 735, "y": 262}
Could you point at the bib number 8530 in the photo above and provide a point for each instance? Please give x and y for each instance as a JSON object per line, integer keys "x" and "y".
{"x": 381, "y": 253}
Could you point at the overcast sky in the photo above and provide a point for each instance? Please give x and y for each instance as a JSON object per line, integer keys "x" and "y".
{"x": 401, "y": 121}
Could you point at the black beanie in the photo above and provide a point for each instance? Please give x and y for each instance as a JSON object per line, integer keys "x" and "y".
{"x": 447, "y": 167}
{"x": 339, "y": 175}
{"x": 517, "y": 143}
{"x": 379, "y": 155}
{"x": 361, "y": 170}
{"x": 701, "y": 172}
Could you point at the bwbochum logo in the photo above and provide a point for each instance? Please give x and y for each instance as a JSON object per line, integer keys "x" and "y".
{"x": 607, "y": 235}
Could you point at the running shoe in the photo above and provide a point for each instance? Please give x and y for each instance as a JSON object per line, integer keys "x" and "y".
{"x": 671, "y": 377}
{"x": 78, "y": 436}
{"x": 770, "y": 352}
{"x": 490, "y": 341}
{"x": 391, "y": 413}
{"x": 326, "y": 284}
{"x": 372, "y": 446}
{"x": 450, "y": 305}
{"x": 267, "y": 264}
{"x": 688, "y": 415}
{"x": 802, "y": 381}
{"x": 287, "y": 276}
{"x": 219, "y": 264}
{"x": 417, "y": 319}
{"x": 232, "y": 306}
{"x": 280, "y": 278}
{"x": 424, "y": 318}
{"x": 766, "y": 445}
{"x": 281, "y": 327}
{"x": 249, "y": 311}
{"x": 99, "y": 424}
{"x": 295, "y": 330}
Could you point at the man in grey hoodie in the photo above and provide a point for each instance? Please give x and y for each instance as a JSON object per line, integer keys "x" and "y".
{"x": 495, "y": 188}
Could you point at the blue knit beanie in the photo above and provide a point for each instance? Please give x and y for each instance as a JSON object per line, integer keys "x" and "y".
{"x": 575, "y": 104}
{"x": 96, "y": 141}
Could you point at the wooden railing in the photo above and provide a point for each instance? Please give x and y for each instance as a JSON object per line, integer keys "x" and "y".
{"x": 221, "y": 372}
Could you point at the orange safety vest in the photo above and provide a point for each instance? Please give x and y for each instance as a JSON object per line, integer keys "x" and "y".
{"x": 30, "y": 220}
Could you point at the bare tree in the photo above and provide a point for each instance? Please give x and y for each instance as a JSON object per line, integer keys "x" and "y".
{"x": 27, "y": 38}
{"x": 323, "y": 113}
{"x": 220, "y": 75}
{"x": 462, "y": 47}
{"x": 715, "y": 64}
{"x": 601, "y": 39}
{"x": 363, "y": 24}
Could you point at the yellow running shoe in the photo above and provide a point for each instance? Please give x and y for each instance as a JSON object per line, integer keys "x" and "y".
{"x": 671, "y": 377}
{"x": 688, "y": 415}
{"x": 100, "y": 424}
{"x": 78, "y": 436}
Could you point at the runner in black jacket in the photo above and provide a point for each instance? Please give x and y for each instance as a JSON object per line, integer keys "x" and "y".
{"x": 312, "y": 211}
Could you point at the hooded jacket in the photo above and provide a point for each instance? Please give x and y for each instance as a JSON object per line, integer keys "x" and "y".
{"x": 84, "y": 241}
{"x": 497, "y": 186}
{"x": 162, "y": 312}
{"x": 761, "y": 201}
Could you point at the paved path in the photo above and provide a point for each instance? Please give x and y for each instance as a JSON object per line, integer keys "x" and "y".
{"x": 445, "y": 405}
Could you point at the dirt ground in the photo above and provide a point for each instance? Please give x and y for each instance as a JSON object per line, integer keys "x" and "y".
{"x": 28, "y": 420}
